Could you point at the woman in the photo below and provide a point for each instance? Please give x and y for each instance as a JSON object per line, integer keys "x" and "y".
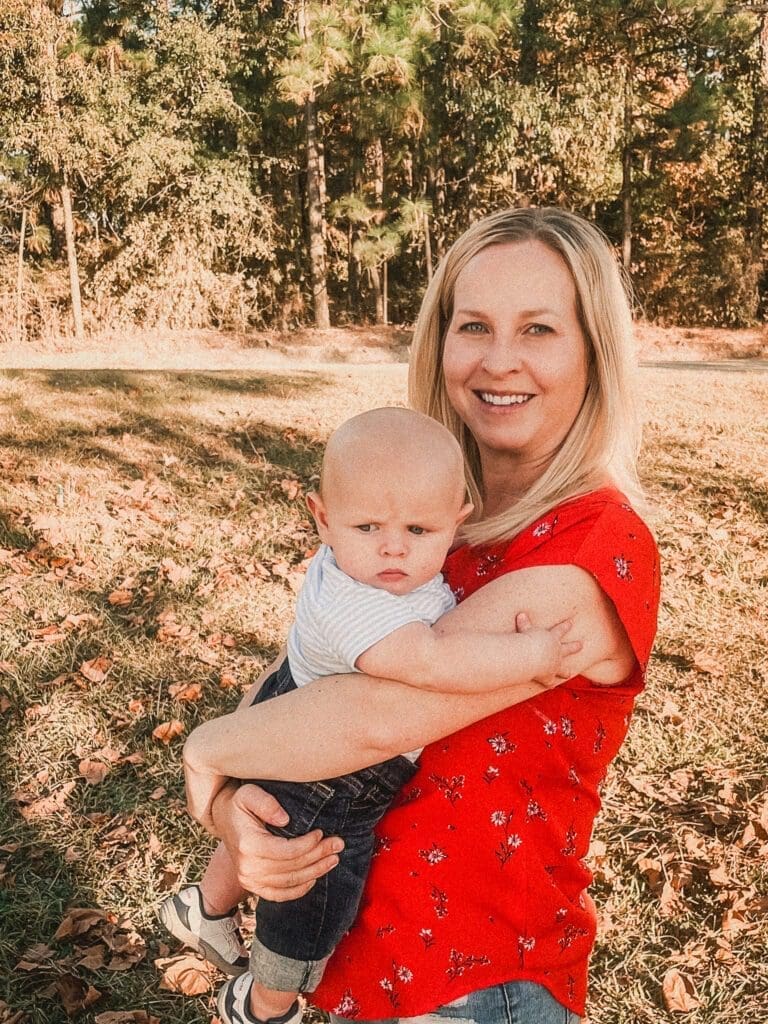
{"x": 476, "y": 905}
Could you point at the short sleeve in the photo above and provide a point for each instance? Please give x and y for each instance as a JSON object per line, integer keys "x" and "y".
{"x": 362, "y": 616}
{"x": 620, "y": 552}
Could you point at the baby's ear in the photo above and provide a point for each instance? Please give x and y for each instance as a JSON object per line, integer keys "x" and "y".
{"x": 466, "y": 510}
{"x": 317, "y": 508}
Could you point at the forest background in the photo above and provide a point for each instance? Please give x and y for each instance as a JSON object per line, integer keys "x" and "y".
{"x": 184, "y": 164}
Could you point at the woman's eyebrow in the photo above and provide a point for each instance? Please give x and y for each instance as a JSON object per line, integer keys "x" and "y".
{"x": 524, "y": 313}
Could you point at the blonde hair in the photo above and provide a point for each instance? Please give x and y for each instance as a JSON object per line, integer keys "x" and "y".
{"x": 603, "y": 442}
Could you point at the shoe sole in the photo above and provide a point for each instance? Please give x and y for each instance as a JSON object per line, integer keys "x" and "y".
{"x": 173, "y": 924}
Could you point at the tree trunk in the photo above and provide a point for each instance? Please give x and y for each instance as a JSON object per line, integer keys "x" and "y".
{"x": 379, "y": 295}
{"x": 427, "y": 248}
{"x": 385, "y": 293}
{"x": 626, "y": 173}
{"x": 316, "y": 216}
{"x": 20, "y": 277}
{"x": 74, "y": 279}
{"x": 315, "y": 207}
{"x": 374, "y": 158}
{"x": 755, "y": 190}
{"x": 530, "y": 22}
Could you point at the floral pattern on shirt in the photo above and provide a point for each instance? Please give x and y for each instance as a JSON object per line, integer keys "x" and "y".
{"x": 481, "y": 869}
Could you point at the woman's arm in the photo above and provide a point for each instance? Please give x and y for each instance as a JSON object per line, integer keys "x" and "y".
{"x": 341, "y": 723}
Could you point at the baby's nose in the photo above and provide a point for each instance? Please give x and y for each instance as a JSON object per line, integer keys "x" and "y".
{"x": 393, "y": 544}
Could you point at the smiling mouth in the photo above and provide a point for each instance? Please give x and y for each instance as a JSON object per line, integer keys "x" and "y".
{"x": 489, "y": 398}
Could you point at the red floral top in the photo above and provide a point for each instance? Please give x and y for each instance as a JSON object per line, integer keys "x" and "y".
{"x": 478, "y": 876}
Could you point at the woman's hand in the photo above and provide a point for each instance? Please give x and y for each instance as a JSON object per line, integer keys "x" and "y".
{"x": 277, "y": 869}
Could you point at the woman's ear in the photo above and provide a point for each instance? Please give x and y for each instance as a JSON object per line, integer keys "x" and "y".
{"x": 466, "y": 510}
{"x": 319, "y": 514}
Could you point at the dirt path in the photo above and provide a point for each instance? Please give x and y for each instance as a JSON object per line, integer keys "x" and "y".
{"x": 721, "y": 366}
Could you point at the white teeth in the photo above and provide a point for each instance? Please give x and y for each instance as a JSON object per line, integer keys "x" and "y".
{"x": 504, "y": 399}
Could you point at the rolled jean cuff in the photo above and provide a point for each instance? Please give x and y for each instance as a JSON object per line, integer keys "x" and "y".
{"x": 274, "y": 970}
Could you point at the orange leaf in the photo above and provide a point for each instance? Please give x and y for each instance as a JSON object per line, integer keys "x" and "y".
{"x": 93, "y": 771}
{"x": 227, "y": 681}
{"x": 679, "y": 992}
{"x": 186, "y": 974}
{"x": 78, "y": 921}
{"x": 120, "y": 599}
{"x": 95, "y": 671}
{"x": 186, "y": 691}
{"x": 167, "y": 731}
{"x": 708, "y": 664}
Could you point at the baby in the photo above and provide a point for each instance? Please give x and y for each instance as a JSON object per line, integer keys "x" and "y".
{"x": 391, "y": 496}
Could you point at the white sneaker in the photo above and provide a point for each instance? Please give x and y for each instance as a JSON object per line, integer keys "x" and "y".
{"x": 233, "y": 1005}
{"x": 217, "y": 938}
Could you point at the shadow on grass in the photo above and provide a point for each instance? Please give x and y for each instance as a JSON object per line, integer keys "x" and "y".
{"x": 140, "y": 412}
{"x": 133, "y": 381}
{"x": 12, "y": 535}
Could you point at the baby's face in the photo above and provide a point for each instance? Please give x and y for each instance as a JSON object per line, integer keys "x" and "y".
{"x": 391, "y": 530}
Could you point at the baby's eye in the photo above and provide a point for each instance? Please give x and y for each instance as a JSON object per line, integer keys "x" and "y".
{"x": 418, "y": 530}
{"x": 365, "y": 527}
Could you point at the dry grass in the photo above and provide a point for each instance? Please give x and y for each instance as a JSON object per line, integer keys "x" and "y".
{"x": 155, "y": 520}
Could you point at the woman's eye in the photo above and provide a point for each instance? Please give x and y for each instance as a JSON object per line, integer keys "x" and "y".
{"x": 418, "y": 530}
{"x": 472, "y": 327}
{"x": 539, "y": 329}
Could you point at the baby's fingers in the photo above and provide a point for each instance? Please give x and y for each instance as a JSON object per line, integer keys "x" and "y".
{"x": 569, "y": 647}
{"x": 560, "y": 629}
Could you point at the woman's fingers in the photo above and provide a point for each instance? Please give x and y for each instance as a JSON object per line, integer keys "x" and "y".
{"x": 288, "y": 881}
{"x": 256, "y": 801}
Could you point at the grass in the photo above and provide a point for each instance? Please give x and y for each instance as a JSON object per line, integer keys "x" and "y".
{"x": 155, "y": 520}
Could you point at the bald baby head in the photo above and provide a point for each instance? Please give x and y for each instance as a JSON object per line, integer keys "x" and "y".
{"x": 398, "y": 442}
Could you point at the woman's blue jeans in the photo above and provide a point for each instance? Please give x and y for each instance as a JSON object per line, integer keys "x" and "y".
{"x": 514, "y": 1002}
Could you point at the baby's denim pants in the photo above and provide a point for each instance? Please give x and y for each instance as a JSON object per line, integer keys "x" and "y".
{"x": 294, "y": 940}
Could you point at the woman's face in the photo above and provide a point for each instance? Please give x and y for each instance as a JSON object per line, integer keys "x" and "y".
{"x": 515, "y": 358}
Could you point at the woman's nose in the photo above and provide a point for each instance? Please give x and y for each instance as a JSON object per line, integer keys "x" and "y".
{"x": 503, "y": 355}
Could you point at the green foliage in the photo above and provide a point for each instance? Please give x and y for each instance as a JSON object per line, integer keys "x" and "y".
{"x": 181, "y": 130}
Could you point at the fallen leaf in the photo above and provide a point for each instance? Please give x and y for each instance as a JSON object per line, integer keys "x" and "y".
{"x": 186, "y": 692}
{"x": 93, "y": 772}
{"x": 719, "y": 876}
{"x": 679, "y": 992}
{"x": 95, "y": 671}
{"x": 186, "y": 974}
{"x": 78, "y": 921}
{"x": 35, "y": 957}
{"x": 120, "y": 599}
{"x": 290, "y": 488}
{"x": 92, "y": 958}
{"x": 708, "y": 664}
{"x": 120, "y": 836}
{"x": 227, "y": 681}
{"x": 167, "y": 731}
{"x": 32, "y": 810}
{"x": 158, "y": 794}
{"x": 671, "y": 713}
{"x": 9, "y": 1016}
{"x": 76, "y": 995}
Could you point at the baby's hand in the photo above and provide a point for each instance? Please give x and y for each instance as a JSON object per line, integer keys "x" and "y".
{"x": 552, "y": 648}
